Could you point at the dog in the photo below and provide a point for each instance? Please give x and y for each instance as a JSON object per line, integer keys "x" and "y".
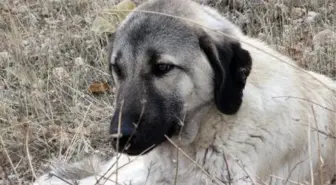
{"x": 199, "y": 102}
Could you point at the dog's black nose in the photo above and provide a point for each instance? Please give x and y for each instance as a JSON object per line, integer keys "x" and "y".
{"x": 122, "y": 131}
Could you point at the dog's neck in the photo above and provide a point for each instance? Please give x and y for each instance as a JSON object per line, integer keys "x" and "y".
{"x": 208, "y": 124}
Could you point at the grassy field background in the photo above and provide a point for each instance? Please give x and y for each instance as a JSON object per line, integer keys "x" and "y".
{"x": 49, "y": 56}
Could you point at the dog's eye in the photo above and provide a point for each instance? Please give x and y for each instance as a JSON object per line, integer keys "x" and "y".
{"x": 161, "y": 69}
{"x": 116, "y": 69}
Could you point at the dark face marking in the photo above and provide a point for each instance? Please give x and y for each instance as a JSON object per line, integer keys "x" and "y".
{"x": 144, "y": 124}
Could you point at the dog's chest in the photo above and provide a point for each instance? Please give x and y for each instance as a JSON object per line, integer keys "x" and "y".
{"x": 169, "y": 165}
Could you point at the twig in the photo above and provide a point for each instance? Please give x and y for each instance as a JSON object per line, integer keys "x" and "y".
{"x": 119, "y": 125}
{"x": 68, "y": 152}
{"x": 326, "y": 134}
{"x": 10, "y": 161}
{"x": 118, "y": 156}
{"x": 288, "y": 97}
{"x": 243, "y": 168}
{"x": 149, "y": 169}
{"x": 149, "y": 148}
{"x": 294, "y": 182}
{"x": 6, "y": 175}
{"x": 318, "y": 148}
{"x": 60, "y": 178}
{"x": 177, "y": 166}
{"x": 129, "y": 139}
{"x": 117, "y": 145}
{"x": 290, "y": 173}
{"x": 322, "y": 132}
{"x": 310, "y": 155}
{"x": 27, "y": 151}
{"x": 108, "y": 178}
{"x": 227, "y": 168}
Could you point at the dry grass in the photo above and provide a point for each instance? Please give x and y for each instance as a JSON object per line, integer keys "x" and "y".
{"x": 49, "y": 57}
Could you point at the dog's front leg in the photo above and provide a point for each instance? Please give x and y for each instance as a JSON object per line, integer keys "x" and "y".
{"x": 119, "y": 170}
{"x": 123, "y": 170}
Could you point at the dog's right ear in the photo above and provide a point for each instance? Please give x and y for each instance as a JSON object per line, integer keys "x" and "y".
{"x": 231, "y": 65}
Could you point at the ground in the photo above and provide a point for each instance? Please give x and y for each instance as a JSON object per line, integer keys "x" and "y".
{"x": 49, "y": 57}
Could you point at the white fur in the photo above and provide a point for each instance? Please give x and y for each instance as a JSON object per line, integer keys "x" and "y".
{"x": 266, "y": 142}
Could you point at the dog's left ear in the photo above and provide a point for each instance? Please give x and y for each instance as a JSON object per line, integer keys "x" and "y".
{"x": 232, "y": 65}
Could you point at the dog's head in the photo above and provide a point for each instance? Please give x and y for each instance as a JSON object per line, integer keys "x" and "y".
{"x": 167, "y": 73}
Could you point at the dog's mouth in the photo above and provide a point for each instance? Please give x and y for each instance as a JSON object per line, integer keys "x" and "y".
{"x": 141, "y": 142}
